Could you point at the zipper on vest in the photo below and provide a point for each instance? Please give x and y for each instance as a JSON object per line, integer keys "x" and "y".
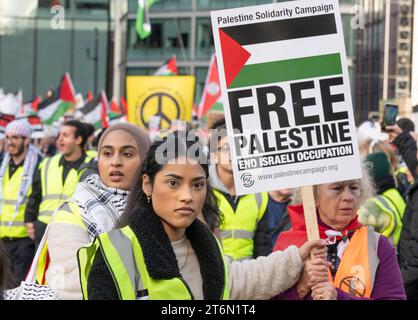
{"x": 187, "y": 287}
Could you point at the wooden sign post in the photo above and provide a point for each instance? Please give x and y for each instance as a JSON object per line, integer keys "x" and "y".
{"x": 309, "y": 210}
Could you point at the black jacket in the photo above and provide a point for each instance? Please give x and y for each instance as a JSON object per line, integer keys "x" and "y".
{"x": 408, "y": 241}
{"x": 408, "y": 244}
{"x": 160, "y": 259}
{"x": 407, "y": 147}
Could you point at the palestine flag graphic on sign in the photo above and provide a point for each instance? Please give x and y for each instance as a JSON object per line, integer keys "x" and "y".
{"x": 284, "y": 76}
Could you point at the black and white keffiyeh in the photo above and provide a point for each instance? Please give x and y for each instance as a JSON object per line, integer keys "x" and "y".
{"x": 100, "y": 206}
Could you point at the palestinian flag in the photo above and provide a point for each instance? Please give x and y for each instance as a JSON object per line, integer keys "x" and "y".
{"x": 168, "y": 68}
{"x": 254, "y": 54}
{"x": 56, "y": 105}
{"x": 124, "y": 105}
{"x": 79, "y": 101}
{"x": 95, "y": 111}
{"x": 116, "y": 114}
{"x": 30, "y": 108}
{"x": 89, "y": 96}
{"x": 211, "y": 96}
{"x": 4, "y": 120}
{"x": 143, "y": 23}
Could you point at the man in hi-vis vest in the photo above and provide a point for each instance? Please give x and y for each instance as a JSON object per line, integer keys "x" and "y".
{"x": 16, "y": 175}
{"x": 244, "y": 223}
{"x": 57, "y": 177}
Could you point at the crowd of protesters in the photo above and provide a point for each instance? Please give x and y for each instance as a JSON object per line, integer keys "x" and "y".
{"x": 124, "y": 220}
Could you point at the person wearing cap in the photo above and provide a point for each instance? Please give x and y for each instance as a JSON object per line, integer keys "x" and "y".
{"x": 16, "y": 176}
{"x": 58, "y": 177}
{"x": 95, "y": 207}
{"x": 385, "y": 210}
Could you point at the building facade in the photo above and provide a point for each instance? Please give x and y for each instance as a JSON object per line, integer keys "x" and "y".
{"x": 183, "y": 27}
{"x": 384, "y": 57}
{"x": 38, "y": 47}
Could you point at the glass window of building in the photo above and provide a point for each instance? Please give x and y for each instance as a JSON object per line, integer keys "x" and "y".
{"x": 204, "y": 39}
{"x": 200, "y": 82}
{"x": 164, "y": 5}
{"x": 17, "y": 55}
{"x": 224, "y": 4}
{"x": 168, "y": 37}
{"x": 51, "y": 47}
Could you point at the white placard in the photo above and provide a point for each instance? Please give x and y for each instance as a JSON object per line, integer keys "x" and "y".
{"x": 287, "y": 99}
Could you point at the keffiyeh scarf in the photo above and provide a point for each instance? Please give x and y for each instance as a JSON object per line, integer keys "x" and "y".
{"x": 100, "y": 206}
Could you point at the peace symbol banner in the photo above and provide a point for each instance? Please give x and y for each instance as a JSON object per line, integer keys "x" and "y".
{"x": 168, "y": 97}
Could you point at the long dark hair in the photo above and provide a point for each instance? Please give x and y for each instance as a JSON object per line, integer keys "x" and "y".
{"x": 173, "y": 146}
{"x": 5, "y": 271}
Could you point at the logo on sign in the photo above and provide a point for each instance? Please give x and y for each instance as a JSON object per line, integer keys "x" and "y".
{"x": 159, "y": 104}
{"x": 247, "y": 180}
{"x": 353, "y": 285}
{"x": 213, "y": 88}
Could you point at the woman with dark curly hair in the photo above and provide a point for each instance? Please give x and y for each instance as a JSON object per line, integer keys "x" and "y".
{"x": 164, "y": 252}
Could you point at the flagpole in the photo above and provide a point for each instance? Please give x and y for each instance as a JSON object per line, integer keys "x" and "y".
{"x": 117, "y": 50}
{"x": 180, "y": 39}
{"x": 202, "y": 98}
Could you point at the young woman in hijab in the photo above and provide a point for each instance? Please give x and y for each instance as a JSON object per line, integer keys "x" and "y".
{"x": 96, "y": 206}
{"x": 165, "y": 252}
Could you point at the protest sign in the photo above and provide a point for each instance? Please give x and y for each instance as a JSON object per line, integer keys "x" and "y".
{"x": 168, "y": 97}
{"x": 284, "y": 77}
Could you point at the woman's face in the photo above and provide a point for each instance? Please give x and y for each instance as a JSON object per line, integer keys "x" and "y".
{"x": 338, "y": 202}
{"x": 177, "y": 195}
{"x": 118, "y": 159}
{"x": 224, "y": 156}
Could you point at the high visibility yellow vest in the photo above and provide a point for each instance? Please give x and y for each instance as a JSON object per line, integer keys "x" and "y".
{"x": 123, "y": 255}
{"x": 54, "y": 191}
{"x": 13, "y": 227}
{"x": 91, "y": 153}
{"x": 392, "y": 202}
{"x": 238, "y": 227}
{"x": 68, "y": 212}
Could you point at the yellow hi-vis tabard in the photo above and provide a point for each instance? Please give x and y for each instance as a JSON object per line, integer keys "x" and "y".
{"x": 238, "y": 227}
{"x": 54, "y": 190}
{"x": 392, "y": 202}
{"x": 68, "y": 213}
{"x": 12, "y": 221}
{"x": 123, "y": 255}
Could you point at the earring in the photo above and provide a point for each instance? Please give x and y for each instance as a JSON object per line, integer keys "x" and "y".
{"x": 148, "y": 198}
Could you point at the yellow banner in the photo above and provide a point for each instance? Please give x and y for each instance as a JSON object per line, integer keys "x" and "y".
{"x": 169, "y": 97}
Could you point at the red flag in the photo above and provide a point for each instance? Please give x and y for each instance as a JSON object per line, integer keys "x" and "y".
{"x": 124, "y": 105}
{"x": 67, "y": 92}
{"x": 89, "y": 96}
{"x": 114, "y": 108}
{"x": 105, "y": 107}
{"x": 212, "y": 90}
{"x": 168, "y": 68}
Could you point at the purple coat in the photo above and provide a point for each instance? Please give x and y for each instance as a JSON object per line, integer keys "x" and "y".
{"x": 388, "y": 284}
